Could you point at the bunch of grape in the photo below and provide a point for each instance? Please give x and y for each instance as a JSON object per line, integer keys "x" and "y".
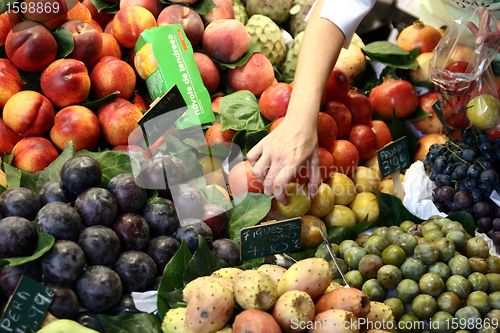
{"x": 465, "y": 174}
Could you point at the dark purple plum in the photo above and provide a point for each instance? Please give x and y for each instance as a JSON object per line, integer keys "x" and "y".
{"x": 496, "y": 224}
{"x": 228, "y": 250}
{"x": 99, "y": 288}
{"x": 17, "y": 237}
{"x": 65, "y": 303}
{"x": 133, "y": 231}
{"x": 161, "y": 249}
{"x": 485, "y": 222}
{"x": 136, "y": 269}
{"x": 161, "y": 173}
{"x": 54, "y": 191}
{"x": 188, "y": 201}
{"x": 156, "y": 284}
{"x": 496, "y": 238}
{"x": 190, "y": 234}
{"x": 162, "y": 218}
{"x": 184, "y": 173}
{"x": 19, "y": 201}
{"x": 217, "y": 218}
{"x": 481, "y": 209}
{"x": 64, "y": 263}
{"x": 11, "y": 275}
{"x": 96, "y": 206}
{"x": 100, "y": 244}
{"x": 129, "y": 196}
{"x": 80, "y": 173}
{"x": 60, "y": 220}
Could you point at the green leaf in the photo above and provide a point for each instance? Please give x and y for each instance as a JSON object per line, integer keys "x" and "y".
{"x": 112, "y": 163}
{"x": 252, "y": 48}
{"x": 130, "y": 323}
{"x": 419, "y": 114}
{"x": 214, "y": 196}
{"x": 31, "y": 80}
{"x": 364, "y": 225}
{"x": 204, "y": 262}
{"x": 252, "y": 263}
{"x": 246, "y": 140}
{"x": 172, "y": 275}
{"x": 299, "y": 255}
{"x": 173, "y": 299}
{"x": 337, "y": 234}
{"x": 173, "y": 145}
{"x": 241, "y": 111}
{"x": 43, "y": 245}
{"x": 203, "y": 6}
{"x": 65, "y": 42}
{"x": 390, "y": 54}
{"x": 250, "y": 208}
{"x": 2, "y": 189}
{"x": 216, "y": 150}
{"x": 13, "y": 175}
{"x": 94, "y": 105}
{"x": 467, "y": 221}
{"x": 106, "y": 7}
{"x": 392, "y": 211}
{"x": 153, "y": 197}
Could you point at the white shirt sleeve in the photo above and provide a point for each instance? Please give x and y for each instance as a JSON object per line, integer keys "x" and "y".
{"x": 345, "y": 14}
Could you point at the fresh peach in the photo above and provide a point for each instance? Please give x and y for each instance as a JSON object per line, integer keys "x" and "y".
{"x": 10, "y": 83}
{"x": 28, "y": 113}
{"x": 8, "y": 138}
{"x": 216, "y": 104}
{"x": 34, "y": 154}
{"x": 327, "y": 130}
{"x": 97, "y": 26}
{"x": 79, "y": 12}
{"x": 52, "y": 15}
{"x": 382, "y": 132}
{"x": 345, "y": 157}
{"x": 111, "y": 74}
{"x": 87, "y": 40}
{"x": 256, "y": 75}
{"x": 30, "y": 46}
{"x": 78, "y": 124}
{"x": 5, "y": 27}
{"x": 154, "y": 6}
{"x": 274, "y": 101}
{"x": 100, "y": 18}
{"x": 276, "y": 123}
{"x": 224, "y": 10}
{"x": 109, "y": 27}
{"x": 430, "y": 124}
{"x": 241, "y": 180}
{"x": 65, "y": 81}
{"x": 130, "y": 22}
{"x": 110, "y": 46}
{"x": 210, "y": 73}
{"x": 342, "y": 116}
{"x": 118, "y": 120}
{"x": 140, "y": 102}
{"x": 190, "y": 21}
{"x": 215, "y": 135}
{"x": 226, "y": 40}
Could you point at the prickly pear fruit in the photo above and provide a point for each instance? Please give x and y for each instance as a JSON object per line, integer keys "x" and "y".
{"x": 174, "y": 321}
{"x": 255, "y": 290}
{"x": 274, "y": 271}
{"x": 209, "y": 309}
{"x": 227, "y": 273}
{"x": 293, "y": 307}
{"x": 198, "y": 283}
{"x": 338, "y": 321}
{"x": 349, "y": 299}
{"x": 312, "y": 275}
{"x": 380, "y": 316}
{"x": 255, "y": 321}
{"x": 333, "y": 286}
{"x": 66, "y": 325}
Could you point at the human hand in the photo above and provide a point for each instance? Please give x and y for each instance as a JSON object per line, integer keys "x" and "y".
{"x": 277, "y": 158}
{"x": 483, "y": 33}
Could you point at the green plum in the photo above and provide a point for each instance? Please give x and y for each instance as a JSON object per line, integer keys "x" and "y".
{"x": 413, "y": 269}
{"x": 431, "y": 284}
{"x": 374, "y": 290}
{"x": 478, "y": 282}
{"x": 459, "y": 285}
{"x": 440, "y": 268}
{"x": 389, "y": 276}
{"x": 479, "y": 300}
{"x": 424, "y": 306}
{"x": 376, "y": 244}
{"x": 449, "y": 302}
{"x": 428, "y": 252}
{"x": 407, "y": 290}
{"x": 393, "y": 255}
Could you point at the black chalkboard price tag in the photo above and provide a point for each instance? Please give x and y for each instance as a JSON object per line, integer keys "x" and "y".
{"x": 270, "y": 238}
{"x": 27, "y": 307}
{"x": 162, "y": 114}
{"x": 393, "y": 157}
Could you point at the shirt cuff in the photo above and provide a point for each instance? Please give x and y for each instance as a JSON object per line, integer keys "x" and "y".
{"x": 345, "y": 14}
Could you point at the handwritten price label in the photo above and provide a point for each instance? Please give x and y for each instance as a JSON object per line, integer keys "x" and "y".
{"x": 393, "y": 157}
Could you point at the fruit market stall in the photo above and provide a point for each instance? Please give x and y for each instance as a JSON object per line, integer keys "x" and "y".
{"x": 120, "y": 217}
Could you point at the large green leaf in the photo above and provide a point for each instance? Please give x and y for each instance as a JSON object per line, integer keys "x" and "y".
{"x": 392, "y": 212}
{"x": 173, "y": 276}
{"x": 13, "y": 175}
{"x": 241, "y": 111}
{"x": 392, "y": 55}
{"x": 203, "y": 6}
{"x": 364, "y": 225}
{"x": 65, "y": 42}
{"x": 106, "y": 7}
{"x": 419, "y": 114}
{"x": 94, "y": 105}
{"x": 337, "y": 234}
{"x": 250, "y": 208}
{"x": 398, "y": 130}
{"x": 203, "y": 263}
{"x": 130, "y": 323}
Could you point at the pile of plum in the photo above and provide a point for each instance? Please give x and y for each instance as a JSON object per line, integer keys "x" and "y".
{"x": 109, "y": 241}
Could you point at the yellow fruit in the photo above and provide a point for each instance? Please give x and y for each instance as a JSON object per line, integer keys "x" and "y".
{"x": 366, "y": 180}
{"x": 323, "y": 203}
{"x": 310, "y": 235}
{"x": 299, "y": 201}
{"x": 365, "y": 203}
{"x": 210, "y": 164}
{"x": 483, "y": 111}
{"x": 340, "y": 215}
{"x": 343, "y": 188}
{"x": 224, "y": 191}
{"x": 372, "y": 163}
{"x": 387, "y": 185}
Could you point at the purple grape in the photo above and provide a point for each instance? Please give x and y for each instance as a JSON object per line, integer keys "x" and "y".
{"x": 462, "y": 200}
{"x": 485, "y": 222}
{"x": 496, "y": 238}
{"x": 445, "y": 193}
{"x": 496, "y": 224}
{"x": 481, "y": 209}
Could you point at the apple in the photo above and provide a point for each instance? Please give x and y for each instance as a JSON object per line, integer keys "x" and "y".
{"x": 394, "y": 97}
{"x": 110, "y": 74}
{"x": 226, "y": 40}
{"x": 382, "y": 132}
{"x": 224, "y": 10}
{"x": 87, "y": 40}
{"x": 342, "y": 116}
{"x": 483, "y": 111}
{"x": 209, "y": 71}
{"x": 118, "y": 121}
{"x": 274, "y": 101}
{"x": 345, "y": 157}
{"x": 129, "y": 23}
{"x": 360, "y": 106}
{"x": 255, "y": 76}
{"x": 337, "y": 86}
{"x": 327, "y": 130}
{"x": 365, "y": 140}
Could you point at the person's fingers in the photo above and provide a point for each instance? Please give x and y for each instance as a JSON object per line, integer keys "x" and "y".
{"x": 473, "y": 28}
{"x": 270, "y": 176}
{"x": 315, "y": 176}
{"x": 281, "y": 181}
{"x": 261, "y": 167}
{"x": 254, "y": 154}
